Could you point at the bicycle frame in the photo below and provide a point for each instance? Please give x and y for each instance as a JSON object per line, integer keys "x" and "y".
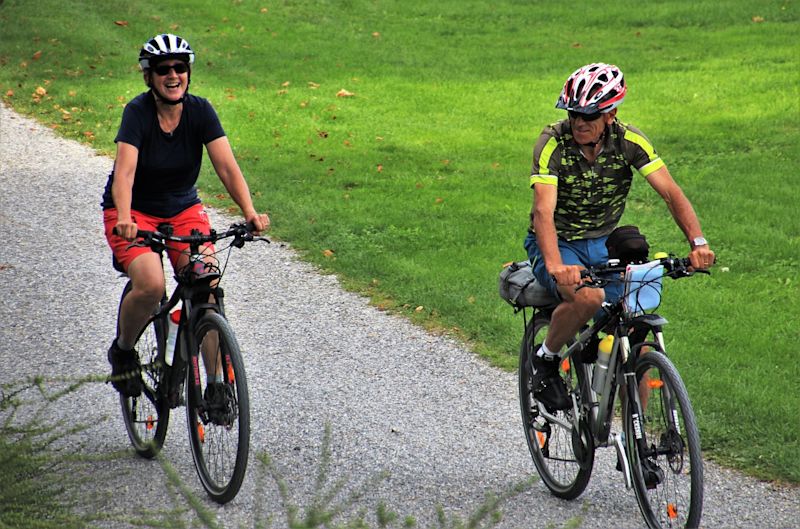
{"x": 621, "y": 367}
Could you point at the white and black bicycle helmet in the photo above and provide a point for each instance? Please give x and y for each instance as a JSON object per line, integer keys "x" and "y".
{"x": 165, "y": 46}
{"x": 593, "y": 88}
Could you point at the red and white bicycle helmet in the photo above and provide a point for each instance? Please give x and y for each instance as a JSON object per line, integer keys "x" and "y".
{"x": 165, "y": 46}
{"x": 593, "y": 88}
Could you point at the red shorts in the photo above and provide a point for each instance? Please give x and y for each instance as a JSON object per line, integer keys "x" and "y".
{"x": 183, "y": 223}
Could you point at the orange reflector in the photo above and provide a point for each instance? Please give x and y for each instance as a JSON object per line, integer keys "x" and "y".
{"x": 201, "y": 432}
{"x": 672, "y": 511}
{"x": 231, "y": 376}
{"x": 541, "y": 438}
{"x": 565, "y": 365}
{"x": 150, "y": 422}
{"x": 655, "y": 383}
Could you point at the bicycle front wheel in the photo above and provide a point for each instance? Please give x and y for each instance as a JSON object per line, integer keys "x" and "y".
{"x": 562, "y": 454}
{"x": 219, "y": 421}
{"x": 667, "y": 468}
{"x": 147, "y": 416}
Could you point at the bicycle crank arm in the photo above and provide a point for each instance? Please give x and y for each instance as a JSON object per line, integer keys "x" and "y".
{"x": 623, "y": 460}
{"x": 552, "y": 418}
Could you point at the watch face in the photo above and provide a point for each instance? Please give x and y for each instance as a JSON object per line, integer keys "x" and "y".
{"x": 700, "y": 241}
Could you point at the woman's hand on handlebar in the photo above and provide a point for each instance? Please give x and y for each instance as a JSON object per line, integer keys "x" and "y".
{"x": 126, "y": 229}
{"x": 259, "y": 222}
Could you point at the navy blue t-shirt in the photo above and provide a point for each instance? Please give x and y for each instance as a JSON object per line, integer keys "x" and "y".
{"x": 168, "y": 164}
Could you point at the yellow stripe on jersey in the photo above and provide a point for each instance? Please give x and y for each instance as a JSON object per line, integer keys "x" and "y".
{"x": 544, "y": 179}
{"x": 547, "y": 152}
{"x": 652, "y": 167}
{"x": 656, "y": 162}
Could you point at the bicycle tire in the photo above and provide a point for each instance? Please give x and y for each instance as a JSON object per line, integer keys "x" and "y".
{"x": 668, "y": 478}
{"x": 553, "y": 447}
{"x": 146, "y": 417}
{"x": 221, "y": 473}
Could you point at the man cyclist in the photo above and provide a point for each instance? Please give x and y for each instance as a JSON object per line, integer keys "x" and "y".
{"x": 159, "y": 152}
{"x": 581, "y": 175}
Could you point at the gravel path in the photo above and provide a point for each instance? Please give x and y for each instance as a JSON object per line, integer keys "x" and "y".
{"x": 443, "y": 423}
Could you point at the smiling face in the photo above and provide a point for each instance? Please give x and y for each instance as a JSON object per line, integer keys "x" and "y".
{"x": 587, "y": 132}
{"x": 169, "y": 79}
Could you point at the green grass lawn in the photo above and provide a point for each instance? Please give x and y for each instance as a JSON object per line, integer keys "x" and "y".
{"x": 414, "y": 189}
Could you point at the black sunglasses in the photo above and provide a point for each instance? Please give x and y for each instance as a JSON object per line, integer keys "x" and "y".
{"x": 584, "y": 117}
{"x": 163, "y": 69}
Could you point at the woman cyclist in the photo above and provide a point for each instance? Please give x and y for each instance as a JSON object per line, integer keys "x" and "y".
{"x": 159, "y": 152}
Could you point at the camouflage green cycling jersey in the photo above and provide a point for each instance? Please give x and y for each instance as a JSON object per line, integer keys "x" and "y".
{"x": 591, "y": 196}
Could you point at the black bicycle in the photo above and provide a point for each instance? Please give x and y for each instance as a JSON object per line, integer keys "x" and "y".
{"x": 658, "y": 449}
{"x": 206, "y": 361}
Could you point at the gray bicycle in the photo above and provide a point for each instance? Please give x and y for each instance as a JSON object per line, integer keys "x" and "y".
{"x": 658, "y": 448}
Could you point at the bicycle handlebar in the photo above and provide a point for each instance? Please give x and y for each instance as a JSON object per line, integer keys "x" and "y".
{"x": 675, "y": 267}
{"x": 240, "y": 231}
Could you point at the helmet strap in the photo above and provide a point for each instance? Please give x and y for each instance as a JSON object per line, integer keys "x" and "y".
{"x": 595, "y": 143}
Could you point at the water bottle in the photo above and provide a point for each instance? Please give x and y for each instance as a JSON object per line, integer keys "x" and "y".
{"x": 601, "y": 367}
{"x": 172, "y": 334}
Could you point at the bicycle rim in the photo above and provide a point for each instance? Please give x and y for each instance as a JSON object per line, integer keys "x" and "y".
{"x": 563, "y": 459}
{"x": 147, "y": 416}
{"x": 220, "y": 440}
{"x": 668, "y": 476}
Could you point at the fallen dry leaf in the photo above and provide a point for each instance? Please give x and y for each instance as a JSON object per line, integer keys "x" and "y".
{"x": 419, "y": 309}
{"x": 327, "y": 253}
{"x": 344, "y": 93}
{"x": 757, "y": 19}
{"x": 36, "y": 56}
{"x": 380, "y": 168}
{"x": 376, "y": 35}
{"x": 439, "y": 200}
{"x": 10, "y": 93}
{"x": 264, "y": 10}
{"x": 286, "y": 83}
{"x": 312, "y": 85}
{"x": 122, "y": 23}
{"x": 40, "y": 91}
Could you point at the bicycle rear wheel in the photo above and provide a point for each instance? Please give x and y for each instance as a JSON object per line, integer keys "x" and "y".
{"x": 219, "y": 424}
{"x": 668, "y": 473}
{"x": 563, "y": 456}
{"x": 147, "y": 416}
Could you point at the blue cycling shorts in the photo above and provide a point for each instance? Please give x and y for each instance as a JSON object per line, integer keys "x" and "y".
{"x": 585, "y": 252}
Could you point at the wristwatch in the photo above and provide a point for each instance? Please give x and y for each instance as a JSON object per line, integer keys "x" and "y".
{"x": 699, "y": 241}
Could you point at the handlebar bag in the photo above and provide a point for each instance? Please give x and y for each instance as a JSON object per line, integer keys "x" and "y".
{"x": 628, "y": 245}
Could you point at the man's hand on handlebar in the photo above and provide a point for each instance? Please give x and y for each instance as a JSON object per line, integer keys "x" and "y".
{"x": 702, "y": 258}
{"x": 566, "y": 275}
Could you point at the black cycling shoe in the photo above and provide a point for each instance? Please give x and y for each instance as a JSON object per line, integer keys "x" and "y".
{"x": 126, "y": 372}
{"x": 548, "y": 386}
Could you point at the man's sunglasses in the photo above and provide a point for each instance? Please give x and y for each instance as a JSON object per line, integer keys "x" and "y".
{"x": 584, "y": 117}
{"x": 163, "y": 69}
